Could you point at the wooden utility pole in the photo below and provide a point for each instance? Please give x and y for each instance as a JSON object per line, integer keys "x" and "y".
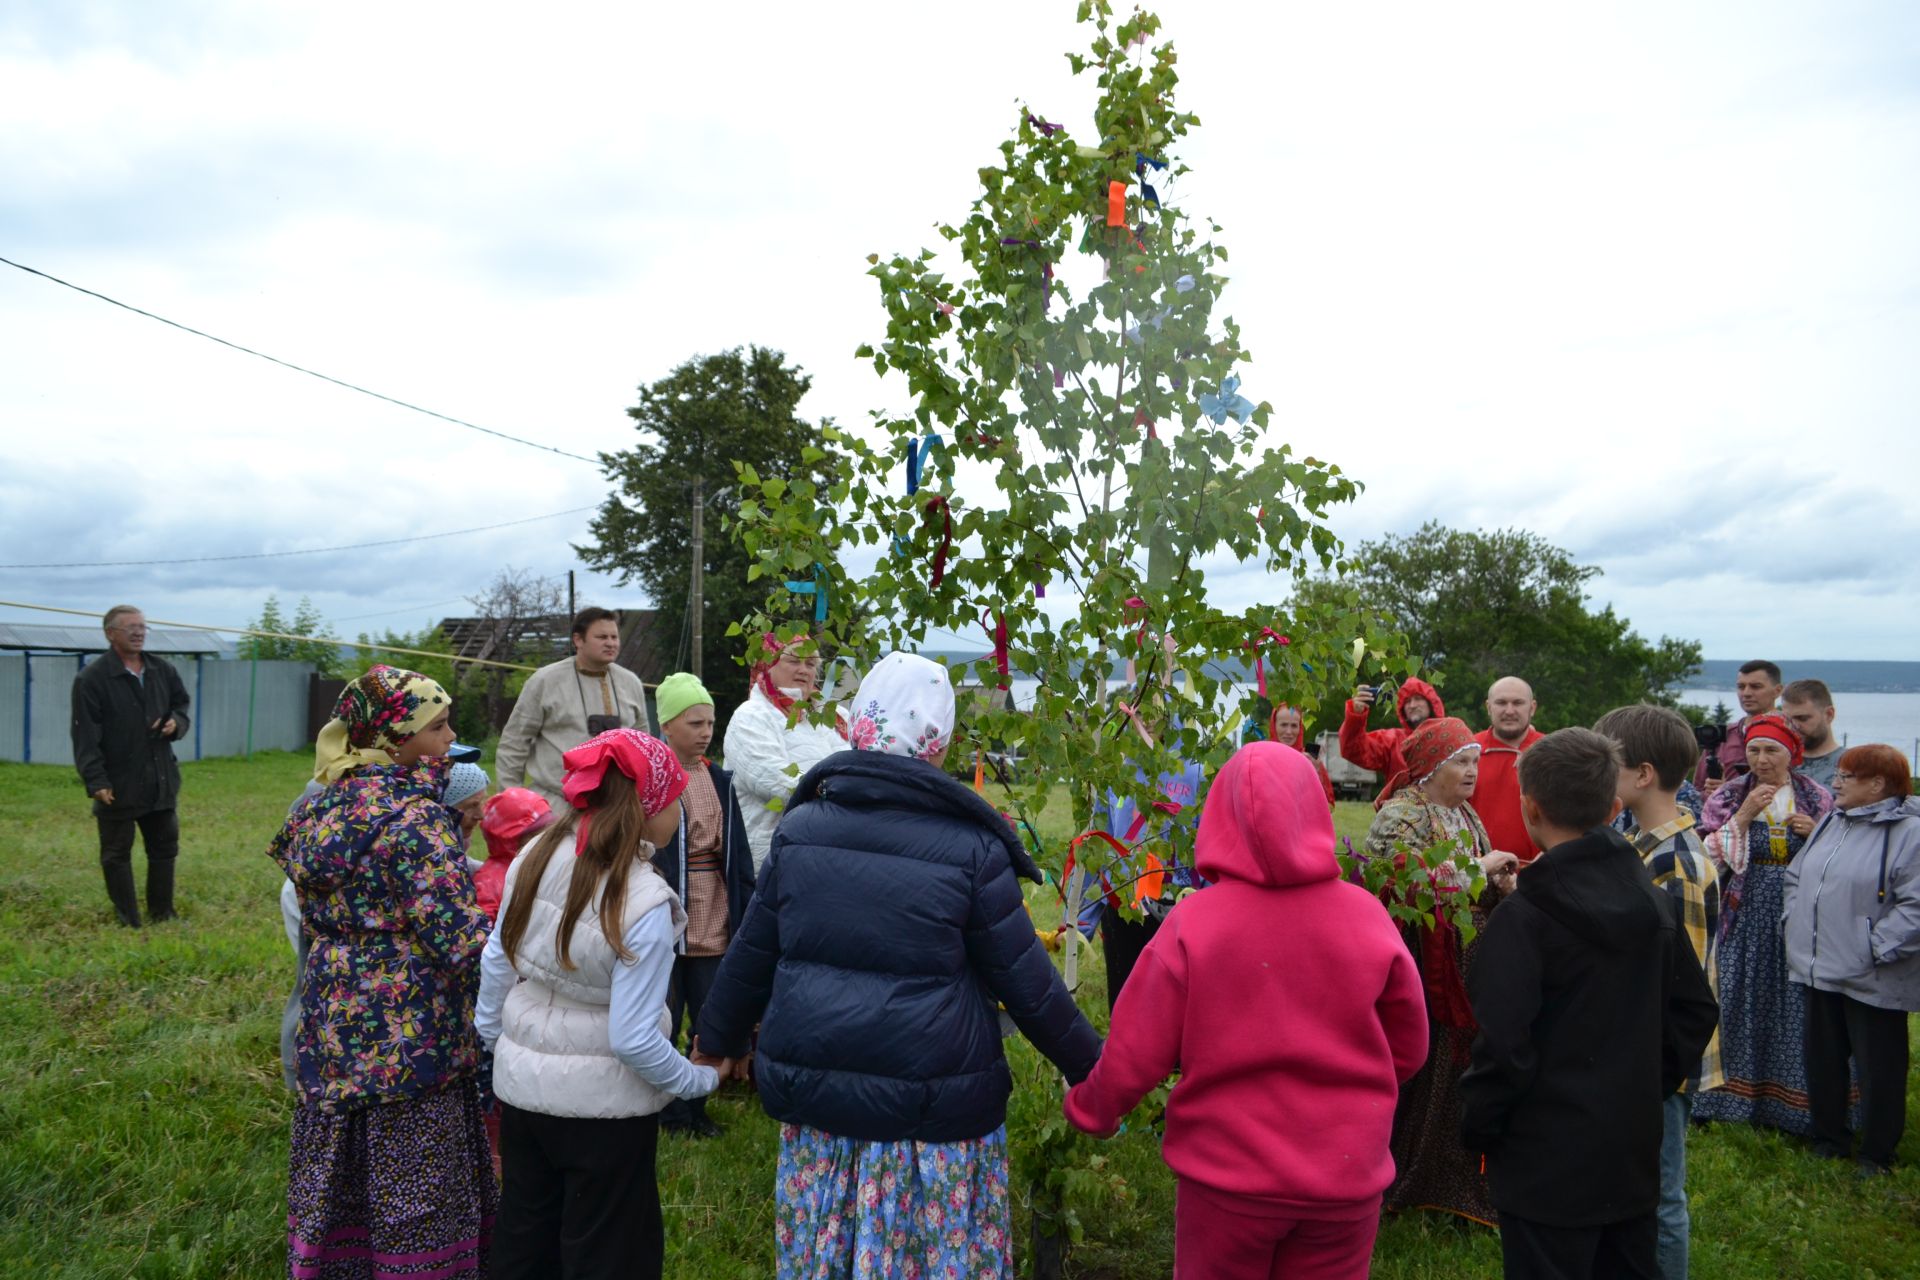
{"x": 698, "y": 595}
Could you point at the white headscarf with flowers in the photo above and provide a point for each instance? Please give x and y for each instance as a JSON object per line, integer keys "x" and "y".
{"x": 904, "y": 708}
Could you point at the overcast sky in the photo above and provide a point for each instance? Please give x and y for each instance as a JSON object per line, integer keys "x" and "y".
{"x": 1643, "y": 278}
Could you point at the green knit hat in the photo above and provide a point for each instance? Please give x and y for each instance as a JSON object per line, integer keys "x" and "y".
{"x": 679, "y": 691}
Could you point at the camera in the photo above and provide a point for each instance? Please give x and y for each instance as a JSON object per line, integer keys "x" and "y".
{"x": 1710, "y": 736}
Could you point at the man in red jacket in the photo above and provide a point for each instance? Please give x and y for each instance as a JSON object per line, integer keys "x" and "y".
{"x": 1496, "y": 797}
{"x": 1380, "y": 749}
{"x": 1293, "y": 1011}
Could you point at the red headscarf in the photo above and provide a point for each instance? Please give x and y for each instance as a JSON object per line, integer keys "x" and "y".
{"x": 762, "y": 673}
{"x": 649, "y": 762}
{"x": 1435, "y": 742}
{"x": 1776, "y": 729}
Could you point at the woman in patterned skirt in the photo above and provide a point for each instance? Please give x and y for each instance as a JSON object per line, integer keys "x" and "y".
{"x": 1432, "y": 1169}
{"x": 1755, "y": 825}
{"x": 389, "y": 1174}
{"x": 887, "y": 923}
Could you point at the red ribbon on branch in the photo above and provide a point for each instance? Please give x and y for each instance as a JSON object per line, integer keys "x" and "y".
{"x": 938, "y": 503}
{"x": 1146, "y": 885}
{"x": 1140, "y": 419}
{"x": 1169, "y": 807}
{"x": 999, "y": 633}
{"x": 1267, "y": 636}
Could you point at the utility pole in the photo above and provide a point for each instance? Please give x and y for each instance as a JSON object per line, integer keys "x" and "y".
{"x": 699, "y": 592}
{"x": 570, "y": 609}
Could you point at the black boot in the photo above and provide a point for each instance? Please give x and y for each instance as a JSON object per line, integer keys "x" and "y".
{"x": 126, "y": 904}
{"x": 698, "y": 1122}
{"x": 159, "y": 889}
{"x": 677, "y": 1117}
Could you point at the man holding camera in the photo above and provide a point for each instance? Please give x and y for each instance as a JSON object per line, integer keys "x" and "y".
{"x": 1758, "y": 689}
{"x": 129, "y": 708}
{"x": 564, "y": 704}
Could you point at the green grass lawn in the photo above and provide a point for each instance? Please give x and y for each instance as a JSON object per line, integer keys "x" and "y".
{"x": 145, "y": 1126}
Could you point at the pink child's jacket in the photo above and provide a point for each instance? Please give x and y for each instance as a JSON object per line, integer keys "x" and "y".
{"x": 1285, "y": 997}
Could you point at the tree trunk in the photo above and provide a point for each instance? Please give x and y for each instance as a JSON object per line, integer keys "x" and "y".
{"x": 1049, "y": 1251}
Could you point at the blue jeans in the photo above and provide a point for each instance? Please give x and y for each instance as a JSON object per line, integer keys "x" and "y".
{"x": 1672, "y": 1213}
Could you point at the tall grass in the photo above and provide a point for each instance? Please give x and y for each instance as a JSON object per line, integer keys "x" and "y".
{"x": 143, "y": 1126}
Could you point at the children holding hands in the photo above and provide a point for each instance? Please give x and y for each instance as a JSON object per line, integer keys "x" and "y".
{"x": 1279, "y": 1125}
{"x": 582, "y": 1062}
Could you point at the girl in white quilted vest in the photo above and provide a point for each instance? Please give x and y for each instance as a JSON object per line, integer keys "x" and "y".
{"x": 582, "y": 1065}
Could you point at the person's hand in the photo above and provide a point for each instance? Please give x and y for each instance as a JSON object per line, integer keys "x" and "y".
{"x": 1801, "y": 824}
{"x": 729, "y": 1068}
{"x": 1757, "y": 800}
{"x": 168, "y": 727}
{"x": 105, "y": 796}
{"x": 1713, "y": 785}
{"x": 1500, "y": 868}
{"x": 1363, "y": 695}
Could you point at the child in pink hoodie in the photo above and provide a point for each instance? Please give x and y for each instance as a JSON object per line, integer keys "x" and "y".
{"x": 1293, "y": 1011}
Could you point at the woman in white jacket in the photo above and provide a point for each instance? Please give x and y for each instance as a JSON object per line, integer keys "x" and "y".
{"x": 582, "y": 1064}
{"x": 770, "y": 743}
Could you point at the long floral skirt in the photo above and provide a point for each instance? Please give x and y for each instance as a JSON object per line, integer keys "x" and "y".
{"x": 1762, "y": 1014}
{"x": 397, "y": 1191}
{"x": 1432, "y": 1169}
{"x": 851, "y": 1210}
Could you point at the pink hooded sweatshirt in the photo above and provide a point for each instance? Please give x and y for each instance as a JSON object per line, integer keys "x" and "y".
{"x": 1284, "y": 996}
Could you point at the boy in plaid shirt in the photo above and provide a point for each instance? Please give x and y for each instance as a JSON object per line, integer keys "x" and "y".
{"x": 1659, "y": 750}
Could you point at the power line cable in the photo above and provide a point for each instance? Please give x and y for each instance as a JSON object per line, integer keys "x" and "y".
{"x": 309, "y": 551}
{"x": 288, "y": 364}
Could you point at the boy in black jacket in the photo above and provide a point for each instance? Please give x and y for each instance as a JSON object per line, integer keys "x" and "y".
{"x": 1592, "y": 1009}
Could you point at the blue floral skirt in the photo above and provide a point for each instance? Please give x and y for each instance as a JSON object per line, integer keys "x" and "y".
{"x": 851, "y": 1210}
{"x": 1762, "y": 1014}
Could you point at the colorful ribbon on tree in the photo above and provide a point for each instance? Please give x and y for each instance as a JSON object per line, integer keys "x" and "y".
{"x": 999, "y": 633}
{"x": 1267, "y": 636}
{"x": 1141, "y": 162}
{"x": 939, "y": 503}
{"x": 1146, "y": 885}
{"x": 817, "y": 589}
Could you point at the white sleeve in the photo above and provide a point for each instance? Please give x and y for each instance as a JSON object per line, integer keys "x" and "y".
{"x": 633, "y": 1014}
{"x": 757, "y": 754}
{"x": 496, "y": 980}
{"x": 290, "y": 914}
{"x": 522, "y": 730}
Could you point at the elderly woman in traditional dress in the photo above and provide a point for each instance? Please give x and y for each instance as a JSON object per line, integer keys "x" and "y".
{"x": 389, "y": 1161}
{"x": 1434, "y": 1171}
{"x": 887, "y": 924}
{"x": 770, "y": 742}
{"x": 1755, "y": 826}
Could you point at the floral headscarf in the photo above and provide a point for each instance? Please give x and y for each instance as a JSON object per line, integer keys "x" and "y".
{"x": 1435, "y": 742}
{"x": 904, "y": 708}
{"x": 377, "y": 712}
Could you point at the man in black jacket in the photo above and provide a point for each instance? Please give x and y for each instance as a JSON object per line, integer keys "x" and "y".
{"x": 129, "y": 708}
{"x": 1592, "y": 1009}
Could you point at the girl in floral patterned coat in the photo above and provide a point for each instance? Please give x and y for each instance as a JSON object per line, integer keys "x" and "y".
{"x": 389, "y": 1171}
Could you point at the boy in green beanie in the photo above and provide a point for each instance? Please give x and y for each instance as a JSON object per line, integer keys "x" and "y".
{"x": 708, "y": 864}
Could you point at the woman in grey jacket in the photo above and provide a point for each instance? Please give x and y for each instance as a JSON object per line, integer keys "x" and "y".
{"x": 1852, "y": 923}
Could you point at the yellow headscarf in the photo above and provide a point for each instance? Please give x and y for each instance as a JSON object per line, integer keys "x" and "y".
{"x": 382, "y": 708}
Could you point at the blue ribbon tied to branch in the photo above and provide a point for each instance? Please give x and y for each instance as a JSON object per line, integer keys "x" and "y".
{"x": 1228, "y": 403}
{"x": 817, "y": 589}
{"x": 1141, "y": 162}
{"x": 919, "y": 452}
